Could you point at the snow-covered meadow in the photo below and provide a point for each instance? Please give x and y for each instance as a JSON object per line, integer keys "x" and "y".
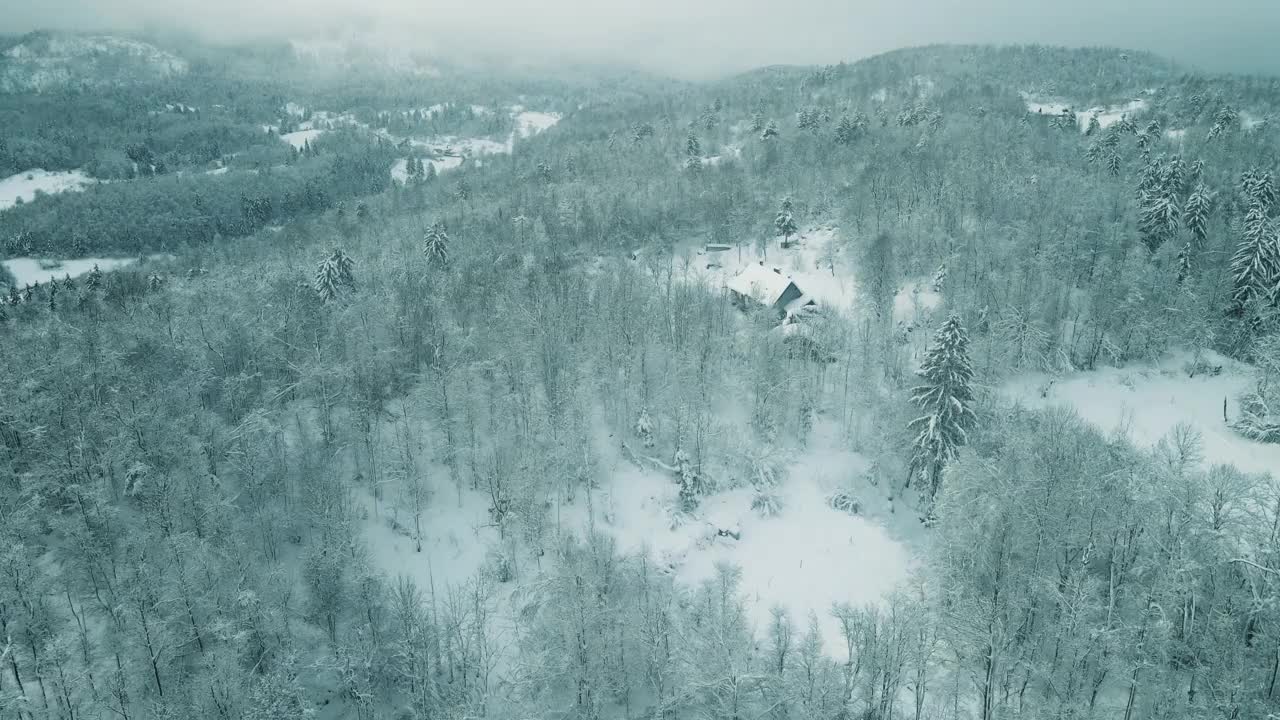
{"x": 1107, "y": 115}
{"x": 29, "y": 271}
{"x": 1145, "y": 402}
{"x": 24, "y": 185}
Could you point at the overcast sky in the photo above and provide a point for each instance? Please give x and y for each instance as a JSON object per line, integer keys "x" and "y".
{"x": 696, "y": 38}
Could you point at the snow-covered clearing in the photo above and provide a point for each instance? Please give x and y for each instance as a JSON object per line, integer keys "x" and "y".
{"x": 450, "y": 150}
{"x": 299, "y": 138}
{"x": 457, "y": 533}
{"x": 1107, "y": 116}
{"x": 25, "y": 185}
{"x": 29, "y": 271}
{"x": 530, "y": 123}
{"x": 400, "y": 168}
{"x": 818, "y": 262}
{"x": 806, "y": 559}
{"x": 1145, "y": 402}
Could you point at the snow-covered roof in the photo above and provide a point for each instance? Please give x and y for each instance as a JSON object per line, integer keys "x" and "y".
{"x": 764, "y": 284}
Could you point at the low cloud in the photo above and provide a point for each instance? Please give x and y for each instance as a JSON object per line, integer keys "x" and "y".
{"x": 695, "y": 38}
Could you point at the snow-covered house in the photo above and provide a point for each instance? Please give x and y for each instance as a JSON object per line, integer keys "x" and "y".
{"x": 766, "y": 286}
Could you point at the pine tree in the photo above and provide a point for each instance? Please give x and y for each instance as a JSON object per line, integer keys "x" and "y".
{"x": 785, "y": 222}
{"x": 940, "y": 278}
{"x": 436, "y": 244}
{"x": 1184, "y": 261}
{"x": 692, "y": 147}
{"x": 757, "y": 121}
{"x": 94, "y": 280}
{"x": 845, "y": 131}
{"x": 334, "y": 276}
{"x": 1160, "y": 218}
{"x": 1255, "y": 268}
{"x": 770, "y": 131}
{"x": 1113, "y": 163}
{"x": 1195, "y": 215}
{"x": 947, "y": 399}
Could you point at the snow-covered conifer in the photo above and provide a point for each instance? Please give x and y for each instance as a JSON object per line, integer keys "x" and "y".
{"x": 435, "y": 244}
{"x": 334, "y": 276}
{"x": 946, "y": 396}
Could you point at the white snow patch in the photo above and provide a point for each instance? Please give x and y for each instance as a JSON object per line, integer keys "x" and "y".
{"x": 1107, "y": 116}
{"x": 1249, "y": 121}
{"x": 1176, "y": 134}
{"x": 915, "y": 301}
{"x": 805, "y": 559}
{"x": 456, "y": 537}
{"x": 300, "y": 138}
{"x": 29, "y": 271}
{"x": 1146, "y": 401}
{"x": 530, "y": 123}
{"x": 25, "y": 185}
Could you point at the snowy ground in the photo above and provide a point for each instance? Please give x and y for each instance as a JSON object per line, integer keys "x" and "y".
{"x": 806, "y": 559}
{"x": 819, "y": 264}
{"x": 450, "y": 150}
{"x": 24, "y": 185}
{"x": 299, "y": 138}
{"x": 456, "y": 536}
{"x": 1145, "y": 402}
{"x": 29, "y": 271}
{"x": 1107, "y": 116}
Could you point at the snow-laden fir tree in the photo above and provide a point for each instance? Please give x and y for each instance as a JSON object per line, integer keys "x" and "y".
{"x": 946, "y": 396}
{"x": 1159, "y": 219}
{"x": 770, "y": 131}
{"x": 757, "y": 121}
{"x": 845, "y": 131}
{"x": 690, "y": 482}
{"x": 692, "y": 147}
{"x": 334, "y": 276}
{"x": 1113, "y": 163}
{"x": 1255, "y": 267}
{"x": 1195, "y": 215}
{"x": 785, "y": 222}
{"x": 1258, "y": 188}
{"x": 644, "y": 428}
{"x": 435, "y": 244}
{"x": 940, "y": 278}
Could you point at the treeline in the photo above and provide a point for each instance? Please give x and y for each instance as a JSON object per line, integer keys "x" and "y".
{"x": 116, "y": 135}
{"x": 176, "y": 211}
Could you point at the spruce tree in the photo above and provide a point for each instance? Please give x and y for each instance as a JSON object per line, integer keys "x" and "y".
{"x": 947, "y": 400}
{"x": 1255, "y": 267}
{"x": 1195, "y": 215}
{"x": 436, "y": 244}
{"x": 334, "y": 276}
{"x": 770, "y": 131}
{"x": 692, "y": 147}
{"x": 785, "y": 222}
{"x": 845, "y": 131}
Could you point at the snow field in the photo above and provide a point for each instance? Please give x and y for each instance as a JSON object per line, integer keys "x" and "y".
{"x": 24, "y": 185}
{"x": 29, "y": 271}
{"x": 1145, "y": 402}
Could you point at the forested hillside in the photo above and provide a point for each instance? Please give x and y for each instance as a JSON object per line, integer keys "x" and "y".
{"x": 442, "y": 433}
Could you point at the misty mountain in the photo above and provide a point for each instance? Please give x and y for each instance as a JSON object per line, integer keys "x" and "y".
{"x": 349, "y": 381}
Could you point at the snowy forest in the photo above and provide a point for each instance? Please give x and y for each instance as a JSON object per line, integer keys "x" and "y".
{"x": 940, "y": 385}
